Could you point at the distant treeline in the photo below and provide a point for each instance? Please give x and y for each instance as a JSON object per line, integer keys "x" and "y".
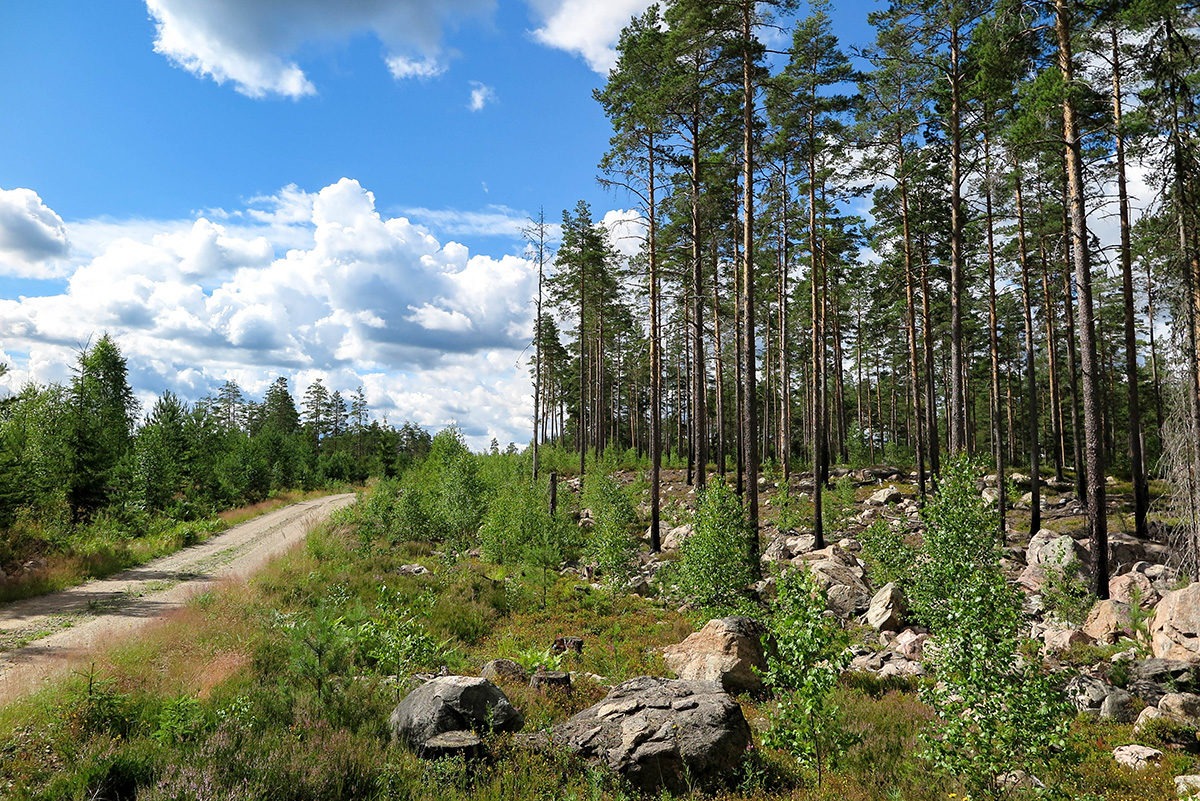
{"x": 73, "y": 450}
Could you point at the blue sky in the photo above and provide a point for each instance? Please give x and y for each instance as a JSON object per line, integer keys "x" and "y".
{"x": 251, "y": 188}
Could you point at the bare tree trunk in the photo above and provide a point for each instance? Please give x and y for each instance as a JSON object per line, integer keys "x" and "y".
{"x": 1137, "y": 466}
{"x": 910, "y": 320}
{"x": 1094, "y": 466}
{"x": 656, "y": 444}
{"x": 1056, "y": 413}
{"x": 817, "y": 394}
{"x": 839, "y": 384}
{"x": 1035, "y": 512}
{"x": 994, "y": 341}
{"x": 931, "y": 402}
{"x": 957, "y": 421}
{"x": 719, "y": 364}
{"x": 750, "y": 432}
{"x": 1158, "y": 402}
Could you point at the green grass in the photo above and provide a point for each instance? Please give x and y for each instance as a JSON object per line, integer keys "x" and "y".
{"x": 106, "y": 545}
{"x": 270, "y": 690}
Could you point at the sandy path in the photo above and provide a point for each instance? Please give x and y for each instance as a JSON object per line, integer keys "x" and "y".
{"x": 43, "y": 636}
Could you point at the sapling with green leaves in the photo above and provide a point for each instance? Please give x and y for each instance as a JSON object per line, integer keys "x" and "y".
{"x": 995, "y": 710}
{"x": 714, "y": 569}
{"x": 807, "y": 655}
{"x": 611, "y": 546}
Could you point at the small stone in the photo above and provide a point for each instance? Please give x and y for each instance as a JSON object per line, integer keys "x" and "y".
{"x": 504, "y": 670}
{"x": 1187, "y": 786}
{"x": 1137, "y": 757}
{"x": 461, "y": 743}
{"x": 546, "y": 681}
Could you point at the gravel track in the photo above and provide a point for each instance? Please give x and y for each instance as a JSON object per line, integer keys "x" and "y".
{"x": 42, "y": 637}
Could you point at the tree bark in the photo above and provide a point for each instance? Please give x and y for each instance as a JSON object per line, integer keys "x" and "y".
{"x": 1094, "y": 455}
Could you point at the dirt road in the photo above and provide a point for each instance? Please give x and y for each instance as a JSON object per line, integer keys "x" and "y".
{"x": 41, "y": 637}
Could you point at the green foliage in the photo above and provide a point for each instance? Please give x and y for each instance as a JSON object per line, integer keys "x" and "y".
{"x": 392, "y": 642}
{"x": 180, "y": 720}
{"x": 808, "y": 653}
{"x": 714, "y": 569}
{"x": 1067, "y": 594}
{"x": 838, "y": 504}
{"x": 888, "y": 556}
{"x": 611, "y": 545}
{"x": 793, "y": 510}
{"x": 996, "y": 712}
{"x": 518, "y": 529}
{"x": 457, "y": 490}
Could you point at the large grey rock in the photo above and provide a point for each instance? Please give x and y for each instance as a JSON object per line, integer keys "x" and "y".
{"x": 785, "y": 547}
{"x": 1059, "y": 640}
{"x": 1108, "y": 621}
{"x": 1049, "y": 551}
{"x": 1124, "y": 587}
{"x": 885, "y": 496}
{"x": 1175, "y": 630}
{"x": 727, "y": 651}
{"x": 1087, "y": 694}
{"x": 452, "y": 703}
{"x": 677, "y": 536}
{"x": 1185, "y": 706}
{"x": 886, "y": 612}
{"x": 845, "y": 601}
{"x": 1120, "y": 706}
{"x": 661, "y": 733}
{"x": 1151, "y": 679}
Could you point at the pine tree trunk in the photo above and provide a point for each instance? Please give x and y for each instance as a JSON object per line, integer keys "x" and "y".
{"x": 994, "y": 339}
{"x": 958, "y": 410}
{"x": 750, "y": 433}
{"x": 1035, "y": 512}
{"x": 1094, "y": 465}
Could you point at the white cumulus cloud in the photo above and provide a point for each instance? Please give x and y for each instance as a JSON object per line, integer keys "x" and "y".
{"x": 33, "y": 239}
{"x": 587, "y": 28}
{"x": 481, "y": 95}
{"x": 434, "y": 332}
{"x": 253, "y": 44}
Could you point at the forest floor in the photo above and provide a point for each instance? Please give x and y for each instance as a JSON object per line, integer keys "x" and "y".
{"x": 44, "y": 636}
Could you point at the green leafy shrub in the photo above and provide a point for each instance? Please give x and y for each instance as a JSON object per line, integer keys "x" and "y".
{"x": 995, "y": 712}
{"x": 808, "y": 652}
{"x": 889, "y": 557}
{"x": 714, "y": 566}
{"x": 610, "y": 546}
{"x": 837, "y": 504}
{"x": 180, "y": 720}
{"x": 1067, "y": 595}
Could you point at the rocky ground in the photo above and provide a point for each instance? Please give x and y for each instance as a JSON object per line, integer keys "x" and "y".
{"x": 1134, "y": 658}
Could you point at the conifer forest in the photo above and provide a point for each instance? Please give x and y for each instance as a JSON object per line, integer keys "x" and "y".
{"x": 864, "y": 463}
